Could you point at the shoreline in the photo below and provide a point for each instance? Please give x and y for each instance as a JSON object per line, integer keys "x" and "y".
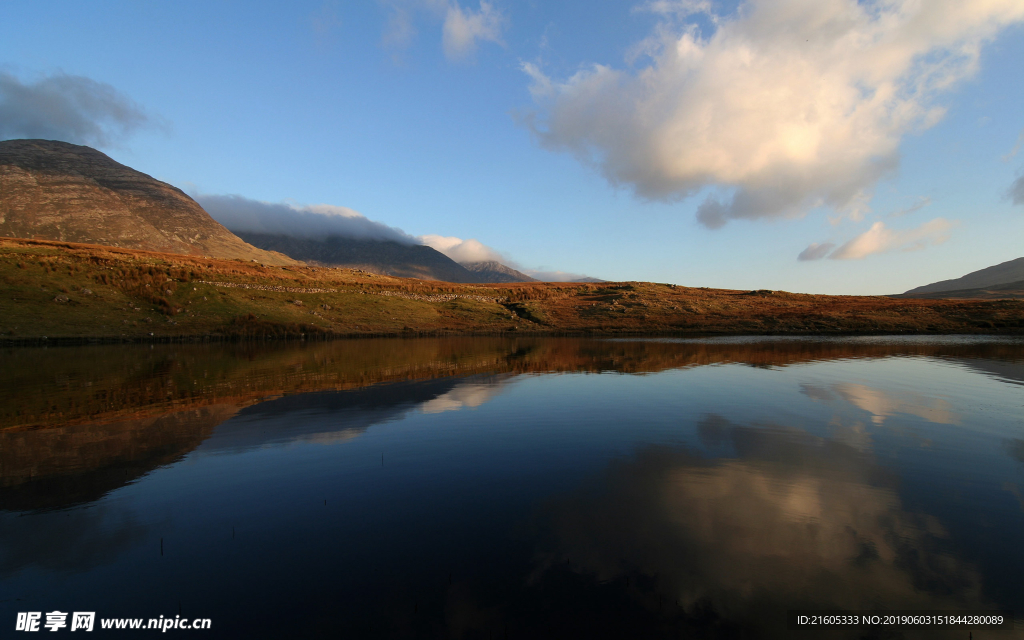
{"x": 61, "y": 341}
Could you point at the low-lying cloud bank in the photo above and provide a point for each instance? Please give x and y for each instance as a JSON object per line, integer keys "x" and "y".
{"x": 881, "y": 239}
{"x": 467, "y": 251}
{"x": 462, "y": 251}
{"x": 322, "y": 221}
{"x": 312, "y": 222}
{"x": 69, "y": 108}
{"x": 787, "y": 106}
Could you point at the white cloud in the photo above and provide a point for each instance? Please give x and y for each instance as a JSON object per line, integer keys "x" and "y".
{"x": 880, "y": 239}
{"x": 466, "y": 251}
{"x": 314, "y": 222}
{"x": 788, "y": 105}
{"x": 69, "y": 108}
{"x": 464, "y": 28}
{"x": 459, "y": 250}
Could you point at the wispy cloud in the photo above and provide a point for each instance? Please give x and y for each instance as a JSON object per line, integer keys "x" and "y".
{"x": 399, "y": 32}
{"x": 1016, "y": 148}
{"x": 881, "y": 239}
{"x": 463, "y": 251}
{"x": 787, "y": 106}
{"x": 675, "y": 8}
{"x": 816, "y": 251}
{"x": 921, "y": 203}
{"x": 1016, "y": 193}
{"x": 69, "y": 108}
{"x": 325, "y": 23}
{"x": 462, "y": 29}
{"x": 314, "y": 222}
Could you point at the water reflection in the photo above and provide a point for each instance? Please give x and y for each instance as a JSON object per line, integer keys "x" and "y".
{"x": 534, "y": 488}
{"x": 881, "y": 403}
{"x": 65, "y": 466}
{"x": 329, "y": 417}
{"x": 1016, "y": 449}
{"x": 468, "y": 394}
{"x": 78, "y": 385}
{"x": 67, "y": 541}
{"x": 794, "y": 522}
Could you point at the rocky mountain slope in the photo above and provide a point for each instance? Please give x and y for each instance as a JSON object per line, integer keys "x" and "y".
{"x": 1001, "y": 274}
{"x": 53, "y": 190}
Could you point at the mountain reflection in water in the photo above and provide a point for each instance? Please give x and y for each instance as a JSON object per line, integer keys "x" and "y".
{"x": 470, "y": 488}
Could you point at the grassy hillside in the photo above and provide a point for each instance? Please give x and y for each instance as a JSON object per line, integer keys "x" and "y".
{"x": 76, "y": 291}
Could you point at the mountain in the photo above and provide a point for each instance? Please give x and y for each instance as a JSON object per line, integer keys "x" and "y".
{"x": 993, "y": 292}
{"x": 1000, "y": 274}
{"x": 494, "y": 271}
{"x": 385, "y": 257}
{"x": 378, "y": 256}
{"x": 53, "y": 190}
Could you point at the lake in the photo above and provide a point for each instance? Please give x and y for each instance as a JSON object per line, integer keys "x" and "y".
{"x": 519, "y": 488}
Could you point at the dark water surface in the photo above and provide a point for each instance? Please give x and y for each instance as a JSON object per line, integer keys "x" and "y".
{"x": 530, "y": 488}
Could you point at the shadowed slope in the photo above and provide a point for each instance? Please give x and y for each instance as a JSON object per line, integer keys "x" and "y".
{"x": 493, "y": 271}
{"x": 1000, "y": 274}
{"x": 377, "y": 256}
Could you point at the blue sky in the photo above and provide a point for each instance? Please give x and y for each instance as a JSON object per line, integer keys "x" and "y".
{"x": 685, "y": 141}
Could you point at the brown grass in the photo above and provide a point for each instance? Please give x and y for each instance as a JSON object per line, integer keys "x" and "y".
{"x": 118, "y": 294}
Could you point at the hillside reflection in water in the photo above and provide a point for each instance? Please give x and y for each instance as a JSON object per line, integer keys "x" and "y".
{"x": 470, "y": 488}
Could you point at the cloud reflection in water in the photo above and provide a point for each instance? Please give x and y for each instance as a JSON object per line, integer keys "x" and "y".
{"x": 882, "y": 404}
{"x": 794, "y": 522}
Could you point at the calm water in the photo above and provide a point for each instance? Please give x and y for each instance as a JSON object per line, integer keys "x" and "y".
{"x": 490, "y": 488}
